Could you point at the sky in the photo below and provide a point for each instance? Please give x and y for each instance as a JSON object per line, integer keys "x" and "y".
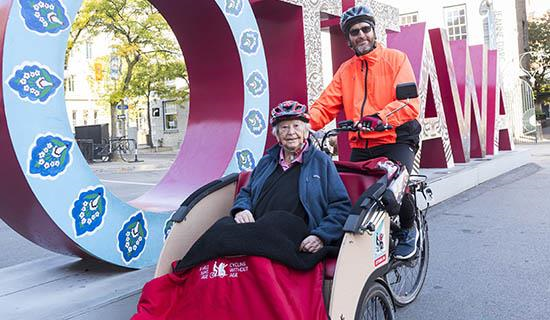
{"x": 537, "y": 7}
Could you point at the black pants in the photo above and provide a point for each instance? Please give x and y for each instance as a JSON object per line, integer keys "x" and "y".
{"x": 401, "y": 152}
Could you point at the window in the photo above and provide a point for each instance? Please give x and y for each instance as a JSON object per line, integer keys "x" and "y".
{"x": 85, "y": 117}
{"x": 170, "y": 115}
{"x": 89, "y": 50}
{"x": 455, "y": 21}
{"x": 408, "y": 18}
{"x": 69, "y": 84}
{"x": 95, "y": 116}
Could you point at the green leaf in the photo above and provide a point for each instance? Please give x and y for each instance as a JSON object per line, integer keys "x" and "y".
{"x": 142, "y": 40}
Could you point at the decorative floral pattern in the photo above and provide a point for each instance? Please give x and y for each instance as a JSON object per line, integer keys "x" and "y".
{"x": 132, "y": 237}
{"x": 50, "y": 156}
{"x": 255, "y": 122}
{"x": 256, "y": 84}
{"x": 44, "y": 16}
{"x": 34, "y": 83}
{"x": 245, "y": 160}
{"x": 234, "y": 7}
{"x": 250, "y": 42}
{"x": 168, "y": 227}
{"x": 88, "y": 211}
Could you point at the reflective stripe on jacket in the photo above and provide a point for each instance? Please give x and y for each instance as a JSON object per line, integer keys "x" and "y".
{"x": 379, "y": 71}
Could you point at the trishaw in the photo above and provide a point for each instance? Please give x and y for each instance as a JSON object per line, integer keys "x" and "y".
{"x": 364, "y": 281}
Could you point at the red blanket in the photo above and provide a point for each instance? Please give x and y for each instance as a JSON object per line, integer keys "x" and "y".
{"x": 246, "y": 287}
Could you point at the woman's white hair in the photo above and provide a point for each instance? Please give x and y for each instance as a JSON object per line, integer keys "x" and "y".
{"x": 275, "y": 129}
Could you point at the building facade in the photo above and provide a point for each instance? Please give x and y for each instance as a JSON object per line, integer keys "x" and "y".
{"x": 90, "y": 65}
{"x": 493, "y": 23}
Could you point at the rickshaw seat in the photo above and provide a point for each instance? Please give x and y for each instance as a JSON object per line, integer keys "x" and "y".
{"x": 242, "y": 180}
{"x": 355, "y": 183}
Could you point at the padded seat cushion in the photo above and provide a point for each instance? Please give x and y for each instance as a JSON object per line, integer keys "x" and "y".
{"x": 242, "y": 180}
{"x": 330, "y": 266}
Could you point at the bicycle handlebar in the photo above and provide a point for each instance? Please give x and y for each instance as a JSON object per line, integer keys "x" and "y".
{"x": 350, "y": 126}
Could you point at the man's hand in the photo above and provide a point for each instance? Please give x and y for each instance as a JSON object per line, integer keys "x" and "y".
{"x": 311, "y": 244}
{"x": 244, "y": 216}
{"x": 369, "y": 123}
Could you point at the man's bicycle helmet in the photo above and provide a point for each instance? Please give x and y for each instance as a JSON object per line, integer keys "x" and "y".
{"x": 289, "y": 110}
{"x": 355, "y": 15}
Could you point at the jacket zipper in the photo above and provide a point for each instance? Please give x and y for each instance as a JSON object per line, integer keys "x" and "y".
{"x": 363, "y": 65}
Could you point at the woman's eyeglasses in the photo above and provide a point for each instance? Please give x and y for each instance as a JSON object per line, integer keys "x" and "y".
{"x": 365, "y": 30}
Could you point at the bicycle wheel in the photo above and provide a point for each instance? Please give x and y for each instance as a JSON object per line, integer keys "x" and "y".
{"x": 375, "y": 304}
{"x": 407, "y": 278}
{"x": 126, "y": 149}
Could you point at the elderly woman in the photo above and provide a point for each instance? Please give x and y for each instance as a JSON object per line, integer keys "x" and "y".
{"x": 297, "y": 178}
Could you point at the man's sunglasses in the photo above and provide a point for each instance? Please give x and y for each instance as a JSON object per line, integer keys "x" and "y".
{"x": 365, "y": 29}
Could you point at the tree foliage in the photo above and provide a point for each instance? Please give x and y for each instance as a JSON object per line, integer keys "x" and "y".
{"x": 142, "y": 40}
{"x": 539, "y": 44}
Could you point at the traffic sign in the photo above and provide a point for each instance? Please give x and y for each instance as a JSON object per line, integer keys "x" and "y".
{"x": 122, "y": 107}
{"x": 121, "y": 116}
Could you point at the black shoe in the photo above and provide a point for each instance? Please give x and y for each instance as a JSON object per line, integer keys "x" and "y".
{"x": 406, "y": 247}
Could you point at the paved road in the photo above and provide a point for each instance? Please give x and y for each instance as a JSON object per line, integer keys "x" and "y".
{"x": 489, "y": 250}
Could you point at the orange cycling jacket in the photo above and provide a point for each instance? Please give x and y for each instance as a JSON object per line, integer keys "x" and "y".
{"x": 368, "y": 82}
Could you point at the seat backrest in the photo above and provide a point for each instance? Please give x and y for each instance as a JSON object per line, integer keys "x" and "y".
{"x": 355, "y": 183}
{"x": 242, "y": 180}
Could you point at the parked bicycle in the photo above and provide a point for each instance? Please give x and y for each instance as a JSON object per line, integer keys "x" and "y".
{"x": 123, "y": 147}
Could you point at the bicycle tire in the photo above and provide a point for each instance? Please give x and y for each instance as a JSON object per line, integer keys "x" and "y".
{"x": 375, "y": 304}
{"x": 406, "y": 280}
{"x": 126, "y": 150}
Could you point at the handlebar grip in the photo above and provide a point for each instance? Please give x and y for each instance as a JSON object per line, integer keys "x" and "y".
{"x": 345, "y": 124}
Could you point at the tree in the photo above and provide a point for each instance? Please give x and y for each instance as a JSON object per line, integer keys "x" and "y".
{"x": 539, "y": 44}
{"x": 141, "y": 37}
{"x": 85, "y": 21}
{"x": 154, "y": 77}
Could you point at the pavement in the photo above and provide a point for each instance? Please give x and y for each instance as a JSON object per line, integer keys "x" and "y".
{"x": 148, "y": 159}
{"x": 59, "y": 287}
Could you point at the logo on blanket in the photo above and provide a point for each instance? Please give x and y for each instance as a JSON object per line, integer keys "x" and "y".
{"x": 222, "y": 269}
{"x": 88, "y": 210}
{"x": 44, "y": 16}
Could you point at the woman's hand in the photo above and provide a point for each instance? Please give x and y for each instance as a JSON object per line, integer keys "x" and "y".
{"x": 311, "y": 244}
{"x": 244, "y": 216}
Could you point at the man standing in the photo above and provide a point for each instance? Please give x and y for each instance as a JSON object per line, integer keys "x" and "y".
{"x": 364, "y": 87}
